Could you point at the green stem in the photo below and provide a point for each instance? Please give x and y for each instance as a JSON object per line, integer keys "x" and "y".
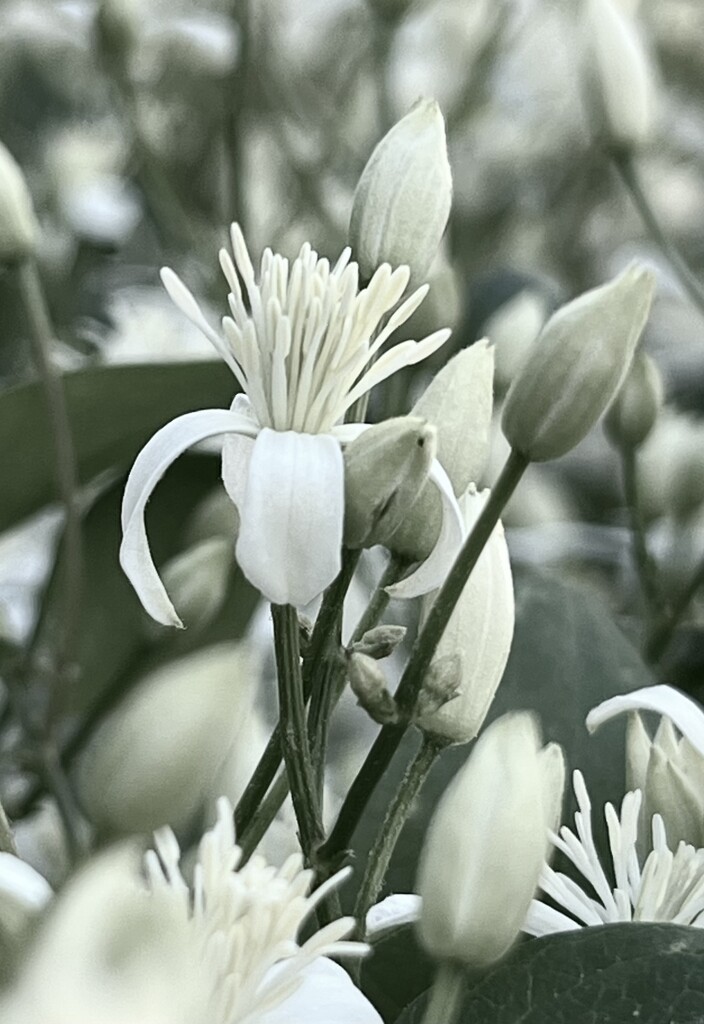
{"x": 267, "y": 811}
{"x": 662, "y": 632}
{"x": 389, "y": 739}
{"x": 65, "y": 469}
{"x": 626, "y": 168}
{"x": 294, "y": 733}
{"x": 445, "y": 995}
{"x": 645, "y": 567}
{"x": 387, "y": 837}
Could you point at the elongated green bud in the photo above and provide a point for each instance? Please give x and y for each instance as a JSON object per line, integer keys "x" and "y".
{"x": 458, "y": 402}
{"x": 402, "y": 201}
{"x": 635, "y": 408}
{"x": 576, "y": 366}
{"x": 18, "y": 224}
{"x": 385, "y": 469}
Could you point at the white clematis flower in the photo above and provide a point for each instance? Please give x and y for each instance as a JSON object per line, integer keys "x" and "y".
{"x": 301, "y": 346}
{"x": 667, "y": 886}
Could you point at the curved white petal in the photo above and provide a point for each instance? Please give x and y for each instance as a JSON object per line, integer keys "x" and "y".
{"x": 544, "y": 920}
{"x": 346, "y": 433}
{"x": 399, "y": 909}
{"x": 150, "y": 465}
{"x": 292, "y": 514}
{"x": 23, "y": 892}
{"x": 326, "y": 994}
{"x": 664, "y": 700}
{"x": 236, "y": 453}
{"x": 431, "y": 573}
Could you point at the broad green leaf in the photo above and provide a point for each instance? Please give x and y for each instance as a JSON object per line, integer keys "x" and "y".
{"x": 113, "y": 412}
{"x": 649, "y": 973}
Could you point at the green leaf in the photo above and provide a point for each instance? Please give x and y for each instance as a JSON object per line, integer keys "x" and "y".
{"x": 113, "y": 412}
{"x": 618, "y": 974}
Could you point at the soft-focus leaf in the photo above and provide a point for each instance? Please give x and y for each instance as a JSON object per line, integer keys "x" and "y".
{"x": 650, "y": 973}
{"x": 113, "y": 412}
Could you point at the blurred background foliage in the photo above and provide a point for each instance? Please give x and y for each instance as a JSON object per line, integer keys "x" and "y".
{"x": 145, "y": 127}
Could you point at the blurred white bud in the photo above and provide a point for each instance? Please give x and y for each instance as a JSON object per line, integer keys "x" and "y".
{"x": 153, "y": 760}
{"x": 385, "y": 470}
{"x": 402, "y": 201}
{"x": 512, "y": 329}
{"x": 24, "y": 893}
{"x": 671, "y": 466}
{"x": 197, "y": 581}
{"x": 480, "y": 632}
{"x": 670, "y": 774}
{"x": 458, "y": 402}
{"x": 487, "y": 843}
{"x": 108, "y": 954}
{"x": 576, "y": 366}
{"x": 636, "y": 407}
{"x": 18, "y": 224}
{"x": 621, "y": 72}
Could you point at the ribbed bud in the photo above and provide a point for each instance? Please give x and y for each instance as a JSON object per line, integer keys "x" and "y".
{"x": 635, "y": 409}
{"x": 197, "y": 579}
{"x": 670, "y": 774}
{"x": 576, "y": 366}
{"x": 153, "y": 760}
{"x": 18, "y": 224}
{"x": 368, "y": 684}
{"x": 458, "y": 402}
{"x": 402, "y": 201}
{"x": 621, "y": 74}
{"x": 480, "y": 632}
{"x": 487, "y": 843}
{"x": 385, "y": 469}
{"x": 380, "y": 642}
{"x": 512, "y": 329}
{"x": 441, "y": 685}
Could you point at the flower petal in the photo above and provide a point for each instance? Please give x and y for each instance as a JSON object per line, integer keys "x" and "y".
{"x": 326, "y": 993}
{"x": 292, "y": 514}
{"x": 150, "y": 465}
{"x": 431, "y": 573}
{"x": 544, "y": 920}
{"x": 236, "y": 453}
{"x": 393, "y": 912}
{"x": 683, "y": 712}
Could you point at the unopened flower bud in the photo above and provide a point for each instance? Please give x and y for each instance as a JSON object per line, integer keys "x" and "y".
{"x": 458, "y": 402}
{"x": 512, "y": 329}
{"x": 18, "y": 224}
{"x": 576, "y": 366}
{"x": 487, "y": 843}
{"x": 671, "y": 466}
{"x": 402, "y": 201}
{"x": 152, "y": 761}
{"x": 441, "y": 685}
{"x": 635, "y": 409}
{"x": 385, "y": 469}
{"x": 480, "y": 631}
{"x": 380, "y": 642}
{"x": 368, "y": 684}
{"x": 621, "y": 73}
{"x": 197, "y": 581}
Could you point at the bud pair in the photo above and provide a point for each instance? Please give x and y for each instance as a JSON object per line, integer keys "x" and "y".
{"x": 487, "y": 843}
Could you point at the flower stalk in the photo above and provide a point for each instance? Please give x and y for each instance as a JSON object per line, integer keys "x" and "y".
{"x": 294, "y": 732}
{"x": 445, "y": 995}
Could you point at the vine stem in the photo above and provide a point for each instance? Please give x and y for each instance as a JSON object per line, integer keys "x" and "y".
{"x": 42, "y": 337}
{"x": 661, "y": 633}
{"x": 645, "y": 567}
{"x": 387, "y": 837}
{"x": 293, "y": 728}
{"x": 445, "y": 995}
{"x": 624, "y": 164}
{"x": 389, "y": 739}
